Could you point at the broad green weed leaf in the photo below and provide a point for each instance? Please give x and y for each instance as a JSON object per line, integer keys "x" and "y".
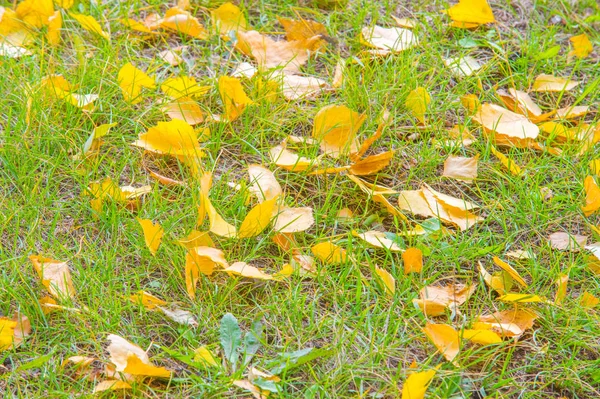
{"x": 231, "y": 339}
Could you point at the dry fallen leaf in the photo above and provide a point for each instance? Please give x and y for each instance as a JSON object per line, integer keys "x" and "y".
{"x": 481, "y": 337}
{"x": 508, "y": 323}
{"x": 55, "y": 276}
{"x": 176, "y": 138}
{"x": 302, "y": 29}
{"x": 436, "y": 300}
{"x": 461, "y": 168}
{"x": 462, "y": 66}
{"x": 233, "y": 97}
{"x": 388, "y": 40}
{"x": 197, "y": 239}
{"x": 592, "y": 196}
{"x": 388, "y": 280}
{"x": 572, "y": 112}
{"x": 111, "y": 385}
{"x": 293, "y": 220}
{"x": 179, "y": 316}
{"x": 417, "y": 102}
{"x": 582, "y": 46}
{"x": 294, "y": 87}
{"x": 147, "y": 300}
{"x": 329, "y": 253}
{"x": 521, "y": 298}
{"x": 245, "y": 270}
{"x": 545, "y": 82}
{"x": 153, "y": 233}
{"x": 371, "y": 164}
{"x": 182, "y": 22}
{"x": 445, "y": 338}
{"x": 378, "y": 239}
{"x": 263, "y": 183}
{"x": 228, "y": 17}
{"x": 335, "y": 127}
{"x": 588, "y": 300}
{"x": 413, "y": 260}
{"x": 201, "y": 260}
{"x": 131, "y": 80}
{"x": 416, "y": 384}
{"x": 131, "y": 359}
{"x": 88, "y": 23}
{"x": 185, "y": 109}
{"x": 502, "y": 121}
{"x": 288, "y": 160}
{"x": 469, "y": 12}
{"x": 567, "y": 242}
{"x": 510, "y": 270}
{"x": 257, "y": 219}
{"x": 561, "y": 289}
{"x": 509, "y": 164}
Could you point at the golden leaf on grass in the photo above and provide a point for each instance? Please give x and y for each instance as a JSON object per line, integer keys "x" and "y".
{"x": 445, "y": 338}
{"x": 508, "y": 323}
{"x": 55, "y": 276}
{"x": 335, "y": 126}
{"x": 288, "y": 160}
{"x": 520, "y": 102}
{"x": 183, "y": 86}
{"x": 111, "y": 385}
{"x": 93, "y": 143}
{"x": 519, "y": 254}
{"x": 107, "y": 189}
{"x": 131, "y": 359}
{"x": 294, "y": 87}
{"x": 131, "y": 80}
{"x": 388, "y": 280}
{"x": 293, "y": 220}
{"x": 385, "y": 118}
{"x": 244, "y": 70}
{"x": 471, "y": 103}
{"x": 417, "y": 102}
{"x": 436, "y": 300}
{"x": 501, "y": 282}
{"x": 302, "y": 29}
{"x": 218, "y": 225}
{"x": 257, "y": 219}
{"x": 378, "y": 239}
{"x": 592, "y": 196}
{"x": 263, "y": 183}
{"x": 139, "y": 26}
{"x": 328, "y": 252}
{"x": 582, "y": 47}
{"x": 413, "y": 260}
{"x": 481, "y": 337}
{"x": 588, "y": 300}
{"x": 545, "y": 82}
{"x": 500, "y": 120}
{"x": 572, "y": 112}
{"x": 34, "y": 12}
{"x": 245, "y": 270}
{"x": 54, "y": 28}
{"x": 510, "y": 270}
{"x": 147, "y": 300}
{"x": 233, "y": 97}
{"x": 203, "y": 354}
{"x": 461, "y": 168}
{"x": 185, "y": 109}
{"x": 509, "y": 164}
{"x": 561, "y": 288}
{"x": 268, "y": 53}
{"x": 256, "y": 392}
{"x": 228, "y": 17}
{"x": 153, "y": 233}
{"x": 521, "y": 298}
{"x": 7, "y": 333}
{"x": 181, "y": 21}
{"x": 201, "y": 260}
{"x": 462, "y": 66}
{"x": 285, "y": 241}
{"x": 176, "y": 138}
{"x": 471, "y": 12}
{"x": 172, "y": 56}
{"x": 416, "y": 384}
{"x": 371, "y": 164}
{"x": 197, "y": 239}
{"x": 388, "y": 40}
{"x": 88, "y": 23}
{"x": 567, "y": 242}
{"x": 179, "y": 316}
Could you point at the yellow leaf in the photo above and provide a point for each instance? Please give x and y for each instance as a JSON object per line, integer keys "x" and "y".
{"x": 435, "y": 300}
{"x": 502, "y": 121}
{"x": 204, "y": 355}
{"x": 263, "y": 183}
{"x": 388, "y": 40}
{"x": 233, "y": 97}
{"x": 572, "y": 112}
{"x": 181, "y": 21}
{"x": 111, "y": 385}
{"x": 7, "y": 333}
{"x": 378, "y": 239}
{"x": 471, "y": 103}
{"x": 413, "y": 260}
{"x": 561, "y": 289}
{"x": 183, "y": 86}
{"x": 462, "y": 66}
{"x": 587, "y": 300}
{"x": 218, "y": 225}
{"x": 416, "y": 384}
{"x": 35, "y": 13}
{"x": 90, "y": 24}
{"x": 132, "y": 359}
{"x": 185, "y": 109}
{"x": 197, "y": 239}
{"x": 545, "y": 82}
{"x": 288, "y": 160}
{"x": 131, "y": 80}
{"x": 512, "y": 167}
{"x": 55, "y": 276}
{"x": 335, "y": 126}
{"x": 66, "y": 4}
{"x": 293, "y": 220}
{"x": 135, "y": 366}
{"x": 431, "y": 307}
{"x": 461, "y": 168}
{"x": 201, "y": 260}
{"x": 228, "y": 17}
{"x": 153, "y": 234}
{"x": 417, "y": 102}
{"x": 372, "y": 164}
{"x": 471, "y": 12}
{"x": 509, "y": 269}
{"x": 521, "y": 298}
{"x": 582, "y": 46}
{"x": 388, "y": 280}
{"x": 245, "y": 270}
{"x": 137, "y": 26}
{"x": 445, "y": 338}
{"x": 509, "y": 323}
{"x": 499, "y": 282}
{"x": 592, "y": 196}
{"x": 257, "y": 219}
{"x": 54, "y": 28}
{"x": 294, "y": 87}
{"x": 176, "y": 138}
{"x": 302, "y": 29}
{"x": 330, "y": 253}
{"x": 147, "y": 300}
{"x": 482, "y": 337}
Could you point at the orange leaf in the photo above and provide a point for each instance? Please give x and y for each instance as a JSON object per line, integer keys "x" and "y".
{"x": 445, "y": 338}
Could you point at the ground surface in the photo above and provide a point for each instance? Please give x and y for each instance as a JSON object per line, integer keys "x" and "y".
{"x": 373, "y": 338}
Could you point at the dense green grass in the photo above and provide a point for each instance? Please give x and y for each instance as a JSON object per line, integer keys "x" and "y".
{"x": 373, "y": 338}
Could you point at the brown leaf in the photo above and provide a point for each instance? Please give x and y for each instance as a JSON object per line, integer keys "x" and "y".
{"x": 567, "y": 242}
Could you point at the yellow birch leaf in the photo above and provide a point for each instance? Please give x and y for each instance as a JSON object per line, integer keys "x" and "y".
{"x": 90, "y": 24}
{"x": 509, "y": 269}
{"x": 471, "y": 103}
{"x": 135, "y": 366}
{"x": 582, "y": 46}
{"x": 371, "y": 164}
{"x": 378, "y": 239}
{"x": 551, "y": 83}
{"x": 293, "y": 220}
{"x": 233, "y": 97}
{"x": 288, "y": 160}
{"x": 416, "y": 384}
{"x": 482, "y": 337}
{"x": 35, "y": 12}
{"x": 413, "y": 260}
{"x": 111, "y": 385}
{"x": 131, "y": 80}
{"x": 176, "y": 138}
{"x": 521, "y": 298}
{"x": 147, "y": 300}
{"x": 257, "y": 219}
{"x": 388, "y": 40}
{"x": 502, "y": 121}
{"x": 445, "y": 338}
{"x": 302, "y": 29}
{"x": 203, "y": 354}
{"x": 471, "y": 12}
{"x": 336, "y": 126}
{"x": 197, "y": 239}
{"x": 228, "y": 17}
{"x": 388, "y": 280}
{"x": 245, "y": 270}
{"x": 54, "y": 28}
{"x": 181, "y": 21}
{"x": 55, "y": 276}
{"x": 263, "y": 183}
{"x": 587, "y": 300}
{"x": 185, "y": 109}
{"x": 512, "y": 167}
{"x": 508, "y": 323}
{"x": 561, "y": 288}
{"x": 417, "y": 102}
{"x": 7, "y": 333}
{"x": 183, "y": 86}
{"x": 592, "y": 196}
{"x": 201, "y": 260}
{"x": 153, "y": 233}
{"x": 329, "y": 253}
{"x": 461, "y": 168}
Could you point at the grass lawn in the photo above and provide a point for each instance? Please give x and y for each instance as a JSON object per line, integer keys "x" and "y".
{"x": 370, "y": 338}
